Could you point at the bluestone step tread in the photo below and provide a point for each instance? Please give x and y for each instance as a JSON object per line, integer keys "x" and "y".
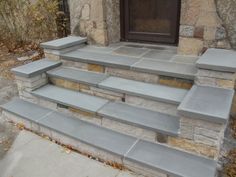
{"x": 77, "y": 75}
{"x": 70, "y": 98}
{"x": 100, "y": 58}
{"x": 151, "y": 155}
{"x": 141, "y": 117}
{"x": 87, "y": 133}
{"x": 150, "y": 91}
{"x": 35, "y": 68}
{"x": 171, "y": 69}
{"x": 210, "y": 103}
{"x": 218, "y": 59}
{"x": 63, "y": 43}
{"x": 25, "y": 109}
{"x": 173, "y": 162}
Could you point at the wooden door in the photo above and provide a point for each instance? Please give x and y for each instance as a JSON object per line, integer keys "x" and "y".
{"x": 150, "y": 20}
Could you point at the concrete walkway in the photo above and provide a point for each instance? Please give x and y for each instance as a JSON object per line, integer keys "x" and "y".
{"x": 33, "y": 156}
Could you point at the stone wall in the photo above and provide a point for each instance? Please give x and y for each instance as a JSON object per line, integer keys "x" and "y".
{"x": 227, "y": 12}
{"x": 202, "y": 23}
{"x": 200, "y": 27}
{"x": 88, "y": 19}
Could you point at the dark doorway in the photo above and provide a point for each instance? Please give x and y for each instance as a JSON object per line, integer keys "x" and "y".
{"x": 150, "y": 20}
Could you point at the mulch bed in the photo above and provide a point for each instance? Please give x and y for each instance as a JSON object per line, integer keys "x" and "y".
{"x": 8, "y": 60}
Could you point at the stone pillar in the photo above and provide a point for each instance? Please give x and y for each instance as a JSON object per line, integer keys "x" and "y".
{"x": 27, "y": 84}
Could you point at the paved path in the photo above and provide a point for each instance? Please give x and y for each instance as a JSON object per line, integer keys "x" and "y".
{"x": 8, "y": 132}
{"x": 33, "y": 156}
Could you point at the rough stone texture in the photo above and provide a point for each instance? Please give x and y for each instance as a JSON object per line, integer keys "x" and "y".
{"x": 215, "y": 78}
{"x": 130, "y": 130}
{"x": 78, "y": 65}
{"x": 190, "y": 46}
{"x": 227, "y": 11}
{"x": 88, "y": 19}
{"x": 26, "y": 85}
{"x": 202, "y": 132}
{"x": 175, "y": 82}
{"x": 128, "y": 74}
{"x": 96, "y": 68}
{"x": 138, "y": 169}
{"x": 193, "y": 147}
{"x": 200, "y": 26}
{"x": 112, "y": 12}
{"x": 51, "y": 56}
{"x": 152, "y": 105}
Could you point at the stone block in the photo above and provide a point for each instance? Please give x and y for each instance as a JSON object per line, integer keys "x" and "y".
{"x": 190, "y": 46}
{"x": 199, "y": 32}
{"x": 52, "y": 56}
{"x": 142, "y": 170}
{"x": 75, "y": 64}
{"x": 174, "y": 82}
{"x": 151, "y": 105}
{"x": 133, "y": 75}
{"x": 193, "y": 147}
{"x": 107, "y": 94}
{"x": 129, "y": 129}
{"x": 186, "y": 31}
{"x": 96, "y": 68}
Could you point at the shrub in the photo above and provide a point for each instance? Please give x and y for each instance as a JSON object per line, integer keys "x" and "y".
{"x": 27, "y": 21}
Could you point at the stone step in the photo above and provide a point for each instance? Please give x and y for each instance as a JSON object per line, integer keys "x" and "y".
{"x": 35, "y": 68}
{"x": 67, "y": 42}
{"x": 135, "y": 88}
{"x": 143, "y": 118}
{"x": 207, "y": 103}
{"x": 76, "y": 75}
{"x": 119, "y": 112}
{"x": 149, "y": 91}
{"x": 70, "y": 98}
{"x": 143, "y": 65}
{"x": 106, "y": 144}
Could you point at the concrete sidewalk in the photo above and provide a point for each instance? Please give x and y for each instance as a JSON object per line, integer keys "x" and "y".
{"x": 33, "y": 156}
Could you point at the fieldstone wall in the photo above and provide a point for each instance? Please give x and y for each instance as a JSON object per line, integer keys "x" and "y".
{"x": 203, "y": 23}
{"x": 227, "y": 12}
{"x": 200, "y": 27}
{"x": 88, "y": 19}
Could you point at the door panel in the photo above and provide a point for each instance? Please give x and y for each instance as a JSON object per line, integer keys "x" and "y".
{"x": 150, "y": 20}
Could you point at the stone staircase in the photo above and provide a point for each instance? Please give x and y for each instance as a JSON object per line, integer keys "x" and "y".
{"x": 141, "y": 114}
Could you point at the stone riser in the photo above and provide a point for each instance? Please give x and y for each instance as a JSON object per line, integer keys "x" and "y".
{"x": 180, "y": 143}
{"x": 85, "y": 149}
{"x": 132, "y": 75}
{"x": 113, "y": 96}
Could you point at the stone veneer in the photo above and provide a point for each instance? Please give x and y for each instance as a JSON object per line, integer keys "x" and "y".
{"x": 200, "y": 25}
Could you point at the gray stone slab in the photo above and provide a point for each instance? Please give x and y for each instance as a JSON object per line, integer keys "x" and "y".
{"x": 64, "y": 42}
{"x": 25, "y": 109}
{"x": 76, "y": 75}
{"x": 185, "y": 59}
{"x": 209, "y": 103}
{"x": 219, "y": 60}
{"x": 140, "y": 117}
{"x": 171, "y": 161}
{"x": 146, "y": 90}
{"x": 171, "y": 69}
{"x": 35, "y": 68}
{"x": 159, "y": 55}
{"x": 70, "y": 98}
{"x": 88, "y": 133}
{"x": 100, "y": 58}
{"x": 130, "y": 51}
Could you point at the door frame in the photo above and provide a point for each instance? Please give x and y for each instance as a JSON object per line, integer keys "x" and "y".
{"x": 147, "y": 38}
